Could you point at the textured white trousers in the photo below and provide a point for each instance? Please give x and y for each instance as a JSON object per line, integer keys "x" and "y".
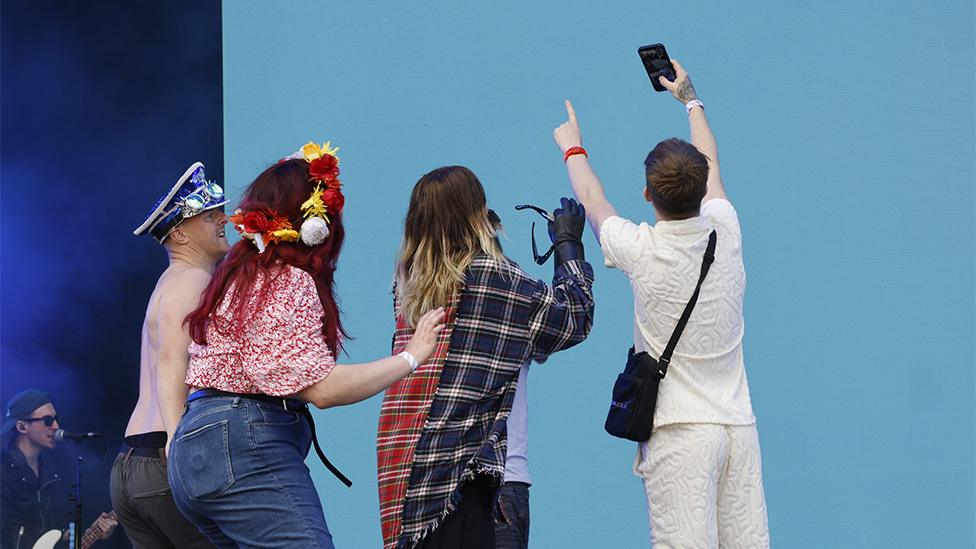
{"x": 704, "y": 489}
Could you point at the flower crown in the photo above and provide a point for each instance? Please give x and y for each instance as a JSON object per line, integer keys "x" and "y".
{"x": 263, "y": 227}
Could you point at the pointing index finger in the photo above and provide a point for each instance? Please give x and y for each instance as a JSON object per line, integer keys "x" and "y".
{"x": 570, "y": 111}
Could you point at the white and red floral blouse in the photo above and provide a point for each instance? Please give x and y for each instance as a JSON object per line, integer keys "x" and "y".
{"x": 280, "y": 350}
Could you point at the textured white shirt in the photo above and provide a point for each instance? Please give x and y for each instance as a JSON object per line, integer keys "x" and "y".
{"x": 706, "y": 381}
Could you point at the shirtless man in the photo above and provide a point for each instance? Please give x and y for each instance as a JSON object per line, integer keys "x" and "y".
{"x": 189, "y": 222}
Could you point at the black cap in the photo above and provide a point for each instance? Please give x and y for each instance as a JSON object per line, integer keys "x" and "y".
{"x": 23, "y": 405}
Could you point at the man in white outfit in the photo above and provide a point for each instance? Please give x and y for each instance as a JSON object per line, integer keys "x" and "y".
{"x": 701, "y": 468}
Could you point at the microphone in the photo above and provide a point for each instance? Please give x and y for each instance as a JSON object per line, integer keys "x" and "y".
{"x": 61, "y": 434}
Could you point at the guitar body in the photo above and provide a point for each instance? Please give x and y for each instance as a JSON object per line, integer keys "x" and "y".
{"x": 48, "y": 540}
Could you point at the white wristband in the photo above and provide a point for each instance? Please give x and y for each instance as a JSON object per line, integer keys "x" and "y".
{"x": 411, "y": 360}
{"x": 692, "y": 104}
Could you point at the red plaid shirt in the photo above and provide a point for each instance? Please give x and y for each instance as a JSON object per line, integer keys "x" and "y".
{"x": 405, "y": 407}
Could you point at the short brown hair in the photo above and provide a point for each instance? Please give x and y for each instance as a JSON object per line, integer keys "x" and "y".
{"x": 676, "y": 174}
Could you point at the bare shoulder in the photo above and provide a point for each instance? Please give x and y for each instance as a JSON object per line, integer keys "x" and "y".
{"x": 180, "y": 292}
{"x": 191, "y": 279}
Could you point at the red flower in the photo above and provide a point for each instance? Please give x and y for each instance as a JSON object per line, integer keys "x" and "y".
{"x": 256, "y": 222}
{"x": 324, "y": 168}
{"x": 333, "y": 200}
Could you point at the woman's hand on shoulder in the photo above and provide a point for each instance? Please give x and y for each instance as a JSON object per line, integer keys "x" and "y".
{"x": 424, "y": 339}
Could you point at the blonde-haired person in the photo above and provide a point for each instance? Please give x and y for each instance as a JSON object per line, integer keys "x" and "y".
{"x": 701, "y": 468}
{"x": 441, "y": 442}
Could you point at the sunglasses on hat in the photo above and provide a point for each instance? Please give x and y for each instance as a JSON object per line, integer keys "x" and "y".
{"x": 196, "y": 201}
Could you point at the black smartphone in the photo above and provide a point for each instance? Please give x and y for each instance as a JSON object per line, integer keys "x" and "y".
{"x": 656, "y": 63}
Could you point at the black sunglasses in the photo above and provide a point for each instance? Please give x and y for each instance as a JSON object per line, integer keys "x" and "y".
{"x": 48, "y": 420}
{"x": 540, "y": 259}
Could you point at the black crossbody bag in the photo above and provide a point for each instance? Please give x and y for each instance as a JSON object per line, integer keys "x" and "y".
{"x": 631, "y": 414}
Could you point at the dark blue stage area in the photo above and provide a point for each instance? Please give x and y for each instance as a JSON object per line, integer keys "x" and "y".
{"x": 104, "y": 104}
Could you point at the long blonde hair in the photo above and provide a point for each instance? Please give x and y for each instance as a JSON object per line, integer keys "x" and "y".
{"x": 446, "y": 227}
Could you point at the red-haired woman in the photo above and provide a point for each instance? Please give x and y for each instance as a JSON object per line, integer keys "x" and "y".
{"x": 266, "y": 335}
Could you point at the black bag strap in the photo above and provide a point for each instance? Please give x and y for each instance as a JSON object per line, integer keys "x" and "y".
{"x": 662, "y": 363}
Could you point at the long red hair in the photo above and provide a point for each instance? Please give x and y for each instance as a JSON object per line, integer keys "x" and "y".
{"x": 281, "y": 188}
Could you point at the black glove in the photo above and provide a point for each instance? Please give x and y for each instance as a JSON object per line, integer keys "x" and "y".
{"x": 566, "y": 230}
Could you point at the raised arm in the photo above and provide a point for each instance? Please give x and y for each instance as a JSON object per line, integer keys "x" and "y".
{"x": 701, "y": 135}
{"x": 563, "y": 313}
{"x": 351, "y": 383}
{"x": 586, "y": 185}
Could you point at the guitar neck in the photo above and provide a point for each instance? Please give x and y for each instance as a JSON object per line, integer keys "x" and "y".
{"x": 90, "y": 537}
{"x": 94, "y": 533}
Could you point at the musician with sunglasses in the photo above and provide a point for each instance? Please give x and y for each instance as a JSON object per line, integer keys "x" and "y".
{"x": 33, "y": 496}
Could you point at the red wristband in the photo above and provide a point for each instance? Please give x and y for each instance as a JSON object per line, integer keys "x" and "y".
{"x": 574, "y": 150}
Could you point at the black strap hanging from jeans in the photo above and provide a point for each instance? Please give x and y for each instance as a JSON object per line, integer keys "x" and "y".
{"x": 662, "y": 363}
{"x": 318, "y": 449}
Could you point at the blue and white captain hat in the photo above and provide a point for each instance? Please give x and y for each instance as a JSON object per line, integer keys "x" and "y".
{"x": 191, "y": 195}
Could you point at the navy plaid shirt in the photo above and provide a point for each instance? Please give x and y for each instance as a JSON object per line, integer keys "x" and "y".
{"x": 504, "y": 319}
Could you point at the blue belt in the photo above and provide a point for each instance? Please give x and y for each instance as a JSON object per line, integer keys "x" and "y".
{"x": 289, "y": 404}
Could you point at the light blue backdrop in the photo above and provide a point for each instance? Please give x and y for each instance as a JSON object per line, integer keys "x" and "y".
{"x": 846, "y": 132}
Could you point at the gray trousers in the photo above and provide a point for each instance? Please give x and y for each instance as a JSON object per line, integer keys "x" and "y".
{"x": 512, "y": 516}
{"x": 142, "y": 500}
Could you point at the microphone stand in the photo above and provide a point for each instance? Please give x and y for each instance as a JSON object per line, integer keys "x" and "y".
{"x": 74, "y": 540}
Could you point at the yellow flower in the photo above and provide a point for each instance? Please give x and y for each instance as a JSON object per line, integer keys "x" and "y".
{"x": 328, "y": 149}
{"x": 314, "y": 207}
{"x": 311, "y": 151}
{"x": 286, "y": 235}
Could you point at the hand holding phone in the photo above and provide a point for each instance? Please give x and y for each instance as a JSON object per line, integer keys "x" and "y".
{"x": 657, "y": 63}
{"x": 681, "y": 87}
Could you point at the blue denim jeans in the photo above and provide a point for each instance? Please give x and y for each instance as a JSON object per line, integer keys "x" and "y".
{"x": 237, "y": 470}
{"x": 512, "y": 516}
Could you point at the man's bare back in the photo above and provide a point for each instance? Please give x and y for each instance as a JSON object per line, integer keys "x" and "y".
{"x": 176, "y": 294}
